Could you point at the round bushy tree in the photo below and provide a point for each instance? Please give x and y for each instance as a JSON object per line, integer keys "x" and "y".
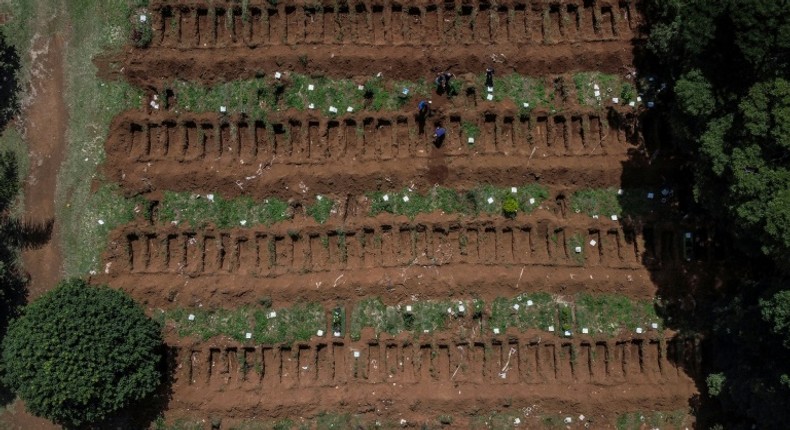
{"x": 80, "y": 353}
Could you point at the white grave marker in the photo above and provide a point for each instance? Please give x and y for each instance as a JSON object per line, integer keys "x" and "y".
{"x": 319, "y": 333}
{"x": 278, "y": 75}
{"x": 585, "y": 330}
{"x": 593, "y": 242}
{"x": 332, "y": 109}
{"x": 191, "y": 317}
{"x": 471, "y": 140}
{"x": 248, "y": 335}
{"x": 310, "y": 87}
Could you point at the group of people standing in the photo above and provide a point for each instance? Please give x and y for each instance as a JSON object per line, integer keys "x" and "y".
{"x": 442, "y": 82}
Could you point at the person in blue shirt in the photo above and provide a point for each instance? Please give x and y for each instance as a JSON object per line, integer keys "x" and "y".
{"x": 438, "y": 136}
{"x": 423, "y": 109}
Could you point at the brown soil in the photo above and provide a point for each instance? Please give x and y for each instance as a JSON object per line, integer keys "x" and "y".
{"x": 402, "y": 42}
{"x": 433, "y": 257}
{"x": 46, "y": 121}
{"x": 363, "y": 152}
{"x": 420, "y": 379}
{"x": 45, "y": 124}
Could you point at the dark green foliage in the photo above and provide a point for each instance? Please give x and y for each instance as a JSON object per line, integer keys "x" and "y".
{"x": 80, "y": 353}
{"x": 727, "y": 63}
{"x": 715, "y": 382}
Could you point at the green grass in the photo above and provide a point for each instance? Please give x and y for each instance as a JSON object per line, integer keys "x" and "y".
{"x": 497, "y": 421}
{"x": 608, "y": 314}
{"x": 470, "y": 130}
{"x": 321, "y": 209}
{"x": 653, "y": 419}
{"x": 256, "y": 97}
{"x": 299, "y": 322}
{"x": 600, "y": 314}
{"x": 540, "y": 314}
{"x": 577, "y": 241}
{"x": 472, "y": 202}
{"x": 103, "y": 25}
{"x": 425, "y": 315}
{"x": 85, "y": 236}
{"x": 611, "y": 201}
{"x": 609, "y": 86}
{"x": 198, "y": 210}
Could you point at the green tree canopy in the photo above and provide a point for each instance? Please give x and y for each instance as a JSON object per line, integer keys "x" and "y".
{"x": 80, "y": 353}
{"x": 728, "y": 62}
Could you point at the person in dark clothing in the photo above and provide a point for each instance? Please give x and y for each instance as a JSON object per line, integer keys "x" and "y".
{"x": 438, "y": 136}
{"x": 423, "y": 109}
{"x": 490, "y": 77}
{"x": 443, "y": 82}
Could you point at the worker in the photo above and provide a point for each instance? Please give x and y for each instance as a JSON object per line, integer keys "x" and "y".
{"x": 438, "y": 136}
{"x": 490, "y": 77}
{"x": 423, "y": 109}
{"x": 443, "y": 82}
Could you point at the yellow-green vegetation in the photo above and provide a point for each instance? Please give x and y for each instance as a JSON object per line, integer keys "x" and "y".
{"x": 267, "y": 325}
{"x": 92, "y": 103}
{"x": 606, "y": 314}
{"x": 653, "y": 419}
{"x": 418, "y": 317}
{"x": 605, "y": 202}
{"x": 606, "y": 86}
{"x": 321, "y": 209}
{"x": 483, "y": 199}
{"x": 200, "y": 210}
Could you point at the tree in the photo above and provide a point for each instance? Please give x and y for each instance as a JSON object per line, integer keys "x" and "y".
{"x": 80, "y": 353}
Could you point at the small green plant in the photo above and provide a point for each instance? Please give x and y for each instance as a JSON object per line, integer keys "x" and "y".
{"x": 470, "y": 129}
{"x": 627, "y": 93}
{"x": 715, "y": 383}
{"x": 510, "y": 207}
{"x": 142, "y": 34}
{"x": 321, "y": 209}
{"x": 446, "y": 419}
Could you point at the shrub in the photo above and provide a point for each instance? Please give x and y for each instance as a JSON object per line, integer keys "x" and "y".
{"x": 80, "y": 353}
{"x": 715, "y": 382}
{"x": 510, "y": 206}
{"x": 142, "y": 34}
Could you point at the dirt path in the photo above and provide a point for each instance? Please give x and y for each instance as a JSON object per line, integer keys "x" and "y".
{"x": 46, "y": 120}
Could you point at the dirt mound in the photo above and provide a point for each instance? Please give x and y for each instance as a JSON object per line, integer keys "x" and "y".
{"x": 385, "y": 377}
{"x": 362, "y": 152}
